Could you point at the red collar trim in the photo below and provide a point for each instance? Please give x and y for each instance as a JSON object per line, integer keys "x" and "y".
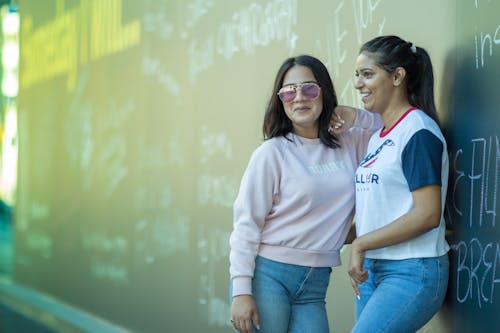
{"x": 384, "y": 133}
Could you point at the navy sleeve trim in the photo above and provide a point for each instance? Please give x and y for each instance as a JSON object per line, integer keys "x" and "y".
{"x": 421, "y": 159}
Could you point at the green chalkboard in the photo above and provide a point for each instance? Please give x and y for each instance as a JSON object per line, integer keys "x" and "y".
{"x": 473, "y": 128}
{"x": 137, "y": 119}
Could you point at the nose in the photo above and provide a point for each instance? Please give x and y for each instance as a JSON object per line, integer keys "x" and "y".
{"x": 358, "y": 82}
{"x": 298, "y": 94}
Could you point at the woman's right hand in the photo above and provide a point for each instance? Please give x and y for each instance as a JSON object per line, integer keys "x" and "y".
{"x": 343, "y": 118}
{"x": 355, "y": 269}
{"x": 243, "y": 313}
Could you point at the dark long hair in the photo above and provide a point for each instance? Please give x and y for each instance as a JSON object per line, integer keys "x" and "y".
{"x": 391, "y": 52}
{"x": 276, "y": 122}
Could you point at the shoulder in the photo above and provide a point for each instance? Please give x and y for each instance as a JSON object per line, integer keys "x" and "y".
{"x": 269, "y": 150}
{"x": 419, "y": 120}
{"x": 271, "y": 146}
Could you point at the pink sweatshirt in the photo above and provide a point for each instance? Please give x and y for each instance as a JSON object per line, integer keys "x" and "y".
{"x": 296, "y": 201}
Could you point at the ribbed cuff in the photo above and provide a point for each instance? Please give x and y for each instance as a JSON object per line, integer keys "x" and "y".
{"x": 242, "y": 286}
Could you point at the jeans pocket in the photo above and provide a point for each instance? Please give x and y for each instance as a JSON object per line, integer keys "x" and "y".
{"x": 443, "y": 268}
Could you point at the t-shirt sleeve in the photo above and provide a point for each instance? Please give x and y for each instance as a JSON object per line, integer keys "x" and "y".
{"x": 421, "y": 160}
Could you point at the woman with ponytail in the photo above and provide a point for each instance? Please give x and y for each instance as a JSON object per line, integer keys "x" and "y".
{"x": 399, "y": 262}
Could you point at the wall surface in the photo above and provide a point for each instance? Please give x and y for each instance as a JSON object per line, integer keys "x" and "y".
{"x": 137, "y": 119}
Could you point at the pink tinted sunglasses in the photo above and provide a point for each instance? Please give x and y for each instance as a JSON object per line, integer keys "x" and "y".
{"x": 309, "y": 90}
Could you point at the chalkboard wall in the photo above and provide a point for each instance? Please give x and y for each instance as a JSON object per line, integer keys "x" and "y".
{"x": 473, "y": 128}
{"x": 137, "y": 119}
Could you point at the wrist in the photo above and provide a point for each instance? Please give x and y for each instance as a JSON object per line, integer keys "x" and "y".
{"x": 359, "y": 244}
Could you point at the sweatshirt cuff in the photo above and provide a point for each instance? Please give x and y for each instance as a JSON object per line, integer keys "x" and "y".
{"x": 242, "y": 286}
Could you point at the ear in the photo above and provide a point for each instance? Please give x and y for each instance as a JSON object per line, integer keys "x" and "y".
{"x": 399, "y": 76}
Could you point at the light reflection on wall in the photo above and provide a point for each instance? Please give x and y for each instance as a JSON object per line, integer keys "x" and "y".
{"x": 10, "y": 88}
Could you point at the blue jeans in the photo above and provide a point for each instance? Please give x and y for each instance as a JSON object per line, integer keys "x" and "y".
{"x": 400, "y": 295}
{"x": 290, "y": 298}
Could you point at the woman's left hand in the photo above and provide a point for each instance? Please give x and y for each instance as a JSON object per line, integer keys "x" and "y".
{"x": 356, "y": 267}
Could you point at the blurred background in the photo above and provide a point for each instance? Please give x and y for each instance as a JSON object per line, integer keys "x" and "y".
{"x": 125, "y": 128}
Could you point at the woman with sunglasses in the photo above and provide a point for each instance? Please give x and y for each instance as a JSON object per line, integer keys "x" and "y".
{"x": 399, "y": 262}
{"x": 295, "y": 204}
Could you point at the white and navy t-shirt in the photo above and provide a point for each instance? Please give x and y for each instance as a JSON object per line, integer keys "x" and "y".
{"x": 410, "y": 155}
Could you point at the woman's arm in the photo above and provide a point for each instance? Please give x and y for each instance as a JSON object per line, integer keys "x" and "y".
{"x": 347, "y": 117}
{"x": 424, "y": 216}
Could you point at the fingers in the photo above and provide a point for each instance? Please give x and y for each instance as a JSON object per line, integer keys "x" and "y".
{"x": 336, "y": 123}
{"x": 355, "y": 286}
{"x": 255, "y": 319}
{"x": 359, "y": 276}
{"x": 243, "y": 312}
{"x": 342, "y": 119}
{"x": 245, "y": 325}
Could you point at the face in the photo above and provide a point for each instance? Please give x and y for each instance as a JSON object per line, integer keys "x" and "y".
{"x": 374, "y": 83}
{"x": 302, "y": 110}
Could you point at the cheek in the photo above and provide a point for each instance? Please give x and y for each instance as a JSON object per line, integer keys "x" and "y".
{"x": 318, "y": 106}
{"x": 288, "y": 110}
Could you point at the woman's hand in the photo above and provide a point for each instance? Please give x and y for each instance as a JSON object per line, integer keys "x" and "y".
{"x": 356, "y": 270}
{"x": 342, "y": 119}
{"x": 243, "y": 313}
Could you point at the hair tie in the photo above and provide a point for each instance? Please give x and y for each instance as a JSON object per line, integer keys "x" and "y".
{"x": 413, "y": 48}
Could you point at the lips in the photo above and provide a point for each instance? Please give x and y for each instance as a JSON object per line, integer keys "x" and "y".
{"x": 301, "y": 109}
{"x": 364, "y": 96}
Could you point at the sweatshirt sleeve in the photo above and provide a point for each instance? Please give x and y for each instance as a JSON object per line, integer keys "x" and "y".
{"x": 368, "y": 120}
{"x": 365, "y": 125}
{"x": 259, "y": 184}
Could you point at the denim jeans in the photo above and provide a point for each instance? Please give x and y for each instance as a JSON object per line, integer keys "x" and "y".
{"x": 400, "y": 295}
{"x": 290, "y": 298}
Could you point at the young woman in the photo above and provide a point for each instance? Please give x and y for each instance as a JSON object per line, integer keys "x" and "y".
{"x": 399, "y": 262}
{"x": 295, "y": 204}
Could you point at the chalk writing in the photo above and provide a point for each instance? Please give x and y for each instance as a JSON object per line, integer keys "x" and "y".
{"x": 153, "y": 67}
{"x": 214, "y": 143}
{"x": 248, "y": 28}
{"x": 196, "y": 9}
{"x": 160, "y": 232}
{"x": 161, "y": 236}
{"x": 480, "y": 179}
{"x": 107, "y": 163}
{"x": 216, "y": 190}
{"x": 108, "y": 270}
{"x": 485, "y": 41}
{"x": 156, "y": 22}
{"x": 336, "y": 34}
{"x": 40, "y": 242}
{"x": 363, "y": 17}
{"x": 91, "y": 30}
{"x": 107, "y": 255}
{"x": 477, "y": 272}
{"x": 39, "y": 210}
{"x": 473, "y": 198}
{"x": 213, "y": 247}
{"x": 78, "y": 129}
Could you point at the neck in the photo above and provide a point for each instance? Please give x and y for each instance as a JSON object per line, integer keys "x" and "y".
{"x": 308, "y": 133}
{"x": 392, "y": 114}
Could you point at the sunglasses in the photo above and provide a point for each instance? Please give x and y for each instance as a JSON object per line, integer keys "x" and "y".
{"x": 309, "y": 90}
